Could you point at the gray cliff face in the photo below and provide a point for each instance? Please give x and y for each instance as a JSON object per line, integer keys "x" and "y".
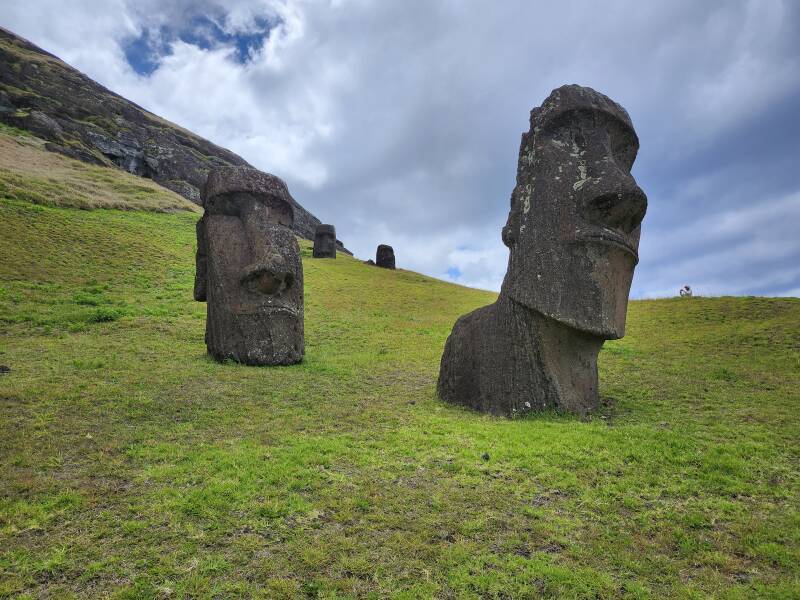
{"x": 80, "y": 118}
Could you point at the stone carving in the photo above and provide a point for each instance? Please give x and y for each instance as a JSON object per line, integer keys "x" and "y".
{"x": 325, "y": 242}
{"x": 573, "y": 234}
{"x": 248, "y": 269}
{"x": 384, "y": 257}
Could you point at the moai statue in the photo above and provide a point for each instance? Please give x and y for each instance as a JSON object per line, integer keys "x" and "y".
{"x": 324, "y": 242}
{"x": 573, "y": 234}
{"x": 249, "y": 269}
{"x": 384, "y": 257}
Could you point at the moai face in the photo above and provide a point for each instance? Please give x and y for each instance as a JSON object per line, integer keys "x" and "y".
{"x": 384, "y": 257}
{"x": 576, "y": 211}
{"x": 325, "y": 242}
{"x": 249, "y": 269}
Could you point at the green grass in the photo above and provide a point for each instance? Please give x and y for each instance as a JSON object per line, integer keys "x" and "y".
{"x": 14, "y": 132}
{"x": 135, "y": 467}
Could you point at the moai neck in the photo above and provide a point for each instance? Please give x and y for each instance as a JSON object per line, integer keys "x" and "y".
{"x": 566, "y": 356}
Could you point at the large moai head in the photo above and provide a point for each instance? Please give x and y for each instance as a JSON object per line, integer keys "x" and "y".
{"x": 384, "y": 256}
{"x": 249, "y": 269}
{"x": 324, "y": 242}
{"x": 574, "y": 225}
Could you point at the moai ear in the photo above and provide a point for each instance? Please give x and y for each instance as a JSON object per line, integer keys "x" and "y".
{"x": 201, "y": 260}
{"x": 508, "y": 235}
{"x": 510, "y": 229}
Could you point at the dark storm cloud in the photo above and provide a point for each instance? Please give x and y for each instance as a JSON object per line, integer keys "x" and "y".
{"x": 400, "y": 122}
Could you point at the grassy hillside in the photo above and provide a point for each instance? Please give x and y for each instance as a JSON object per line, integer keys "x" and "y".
{"x": 134, "y": 467}
{"x": 31, "y": 173}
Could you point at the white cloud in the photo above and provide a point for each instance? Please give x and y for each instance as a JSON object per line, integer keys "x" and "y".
{"x": 730, "y": 253}
{"x": 400, "y": 122}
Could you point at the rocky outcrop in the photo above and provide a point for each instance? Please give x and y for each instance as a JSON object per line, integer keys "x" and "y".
{"x": 83, "y": 120}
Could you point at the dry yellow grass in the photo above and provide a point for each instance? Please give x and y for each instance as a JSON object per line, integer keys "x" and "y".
{"x": 29, "y": 172}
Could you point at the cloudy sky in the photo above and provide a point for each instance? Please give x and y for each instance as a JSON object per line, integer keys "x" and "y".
{"x": 400, "y": 122}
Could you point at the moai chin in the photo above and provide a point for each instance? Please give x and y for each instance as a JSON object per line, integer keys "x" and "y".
{"x": 324, "y": 242}
{"x": 384, "y": 257}
{"x": 573, "y": 235}
{"x": 249, "y": 269}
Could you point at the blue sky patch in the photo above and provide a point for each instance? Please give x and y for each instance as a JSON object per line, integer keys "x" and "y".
{"x": 145, "y": 52}
{"x": 142, "y": 53}
{"x": 454, "y": 272}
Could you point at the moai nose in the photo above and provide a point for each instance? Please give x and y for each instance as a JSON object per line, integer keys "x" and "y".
{"x": 621, "y": 207}
{"x": 270, "y": 277}
{"x": 269, "y": 283}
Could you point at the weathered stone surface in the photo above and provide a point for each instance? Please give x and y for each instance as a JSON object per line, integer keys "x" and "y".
{"x": 384, "y": 257}
{"x": 76, "y": 153}
{"x": 369, "y": 262}
{"x": 43, "y": 126}
{"x": 83, "y": 120}
{"x": 248, "y": 269}
{"x": 5, "y": 103}
{"x": 573, "y": 233}
{"x": 325, "y": 242}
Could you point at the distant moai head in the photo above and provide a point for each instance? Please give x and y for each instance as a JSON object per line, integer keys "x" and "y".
{"x": 324, "y": 242}
{"x": 384, "y": 257}
{"x": 249, "y": 269}
{"x": 574, "y": 225}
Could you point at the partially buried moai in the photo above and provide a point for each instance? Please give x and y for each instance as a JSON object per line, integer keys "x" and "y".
{"x": 573, "y": 234}
{"x": 324, "y": 242}
{"x": 384, "y": 257}
{"x": 249, "y": 269}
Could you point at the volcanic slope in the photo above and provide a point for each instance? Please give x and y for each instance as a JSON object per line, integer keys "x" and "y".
{"x": 135, "y": 467}
{"x": 79, "y": 118}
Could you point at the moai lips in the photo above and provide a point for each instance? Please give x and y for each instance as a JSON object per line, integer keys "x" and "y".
{"x": 573, "y": 234}
{"x": 249, "y": 269}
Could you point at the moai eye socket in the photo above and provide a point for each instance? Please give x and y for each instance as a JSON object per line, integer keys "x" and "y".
{"x": 280, "y": 211}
